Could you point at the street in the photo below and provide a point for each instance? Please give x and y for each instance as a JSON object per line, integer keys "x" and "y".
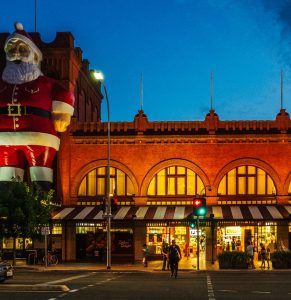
{"x": 29, "y": 284}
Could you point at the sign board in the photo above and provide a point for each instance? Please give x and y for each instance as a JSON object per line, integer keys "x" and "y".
{"x": 45, "y": 230}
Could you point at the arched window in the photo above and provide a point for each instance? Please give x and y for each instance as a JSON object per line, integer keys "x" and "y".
{"x": 175, "y": 181}
{"x": 94, "y": 183}
{"x": 246, "y": 180}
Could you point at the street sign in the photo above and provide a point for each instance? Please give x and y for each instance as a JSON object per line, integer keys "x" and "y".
{"x": 45, "y": 230}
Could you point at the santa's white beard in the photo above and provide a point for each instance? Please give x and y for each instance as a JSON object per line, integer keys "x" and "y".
{"x": 20, "y": 73}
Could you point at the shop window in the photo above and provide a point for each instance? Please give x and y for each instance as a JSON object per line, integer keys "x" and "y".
{"x": 247, "y": 180}
{"x": 57, "y": 229}
{"x": 175, "y": 180}
{"x": 94, "y": 183}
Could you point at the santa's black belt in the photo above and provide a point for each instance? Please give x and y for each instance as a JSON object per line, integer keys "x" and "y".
{"x": 17, "y": 110}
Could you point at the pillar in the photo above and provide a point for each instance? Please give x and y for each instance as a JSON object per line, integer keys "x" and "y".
{"x": 68, "y": 241}
{"x": 139, "y": 240}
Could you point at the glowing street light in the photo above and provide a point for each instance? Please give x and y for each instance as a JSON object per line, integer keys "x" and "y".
{"x": 98, "y": 75}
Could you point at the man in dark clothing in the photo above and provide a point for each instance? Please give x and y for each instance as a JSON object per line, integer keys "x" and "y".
{"x": 174, "y": 255}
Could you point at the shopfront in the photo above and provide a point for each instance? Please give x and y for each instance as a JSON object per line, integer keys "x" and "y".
{"x": 91, "y": 243}
{"x": 185, "y": 236}
{"x": 236, "y": 238}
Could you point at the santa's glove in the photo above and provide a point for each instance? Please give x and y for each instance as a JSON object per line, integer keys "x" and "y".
{"x": 61, "y": 121}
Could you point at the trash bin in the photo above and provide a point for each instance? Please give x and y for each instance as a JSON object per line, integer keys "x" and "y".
{"x": 31, "y": 258}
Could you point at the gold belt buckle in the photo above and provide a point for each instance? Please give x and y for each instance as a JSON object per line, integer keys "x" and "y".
{"x": 14, "y": 110}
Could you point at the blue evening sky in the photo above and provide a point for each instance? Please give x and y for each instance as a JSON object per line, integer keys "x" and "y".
{"x": 176, "y": 44}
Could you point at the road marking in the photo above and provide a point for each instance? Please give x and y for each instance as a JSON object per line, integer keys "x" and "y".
{"x": 66, "y": 279}
{"x": 229, "y": 291}
{"x": 73, "y": 291}
{"x": 210, "y": 288}
{"x": 260, "y": 292}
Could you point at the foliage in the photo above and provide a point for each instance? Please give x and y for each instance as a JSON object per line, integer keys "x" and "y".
{"x": 232, "y": 260}
{"x": 281, "y": 259}
{"x": 23, "y": 210}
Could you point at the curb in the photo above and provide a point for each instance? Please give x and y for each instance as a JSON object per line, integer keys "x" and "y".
{"x": 35, "y": 287}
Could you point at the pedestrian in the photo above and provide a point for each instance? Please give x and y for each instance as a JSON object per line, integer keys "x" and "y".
{"x": 145, "y": 251}
{"x": 263, "y": 255}
{"x": 233, "y": 244}
{"x": 174, "y": 255}
{"x": 227, "y": 247}
{"x": 268, "y": 256}
{"x": 165, "y": 249}
{"x": 250, "y": 254}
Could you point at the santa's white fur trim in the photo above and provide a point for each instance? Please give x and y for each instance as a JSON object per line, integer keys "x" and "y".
{"x": 29, "y": 138}
{"x": 8, "y": 173}
{"x": 62, "y": 107}
{"x": 41, "y": 174}
{"x": 18, "y": 26}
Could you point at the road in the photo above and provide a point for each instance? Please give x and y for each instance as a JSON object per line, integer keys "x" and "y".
{"x": 147, "y": 285}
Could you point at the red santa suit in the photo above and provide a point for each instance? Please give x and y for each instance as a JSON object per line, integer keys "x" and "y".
{"x": 27, "y": 133}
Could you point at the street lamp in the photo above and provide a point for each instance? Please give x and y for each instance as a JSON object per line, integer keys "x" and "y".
{"x": 98, "y": 75}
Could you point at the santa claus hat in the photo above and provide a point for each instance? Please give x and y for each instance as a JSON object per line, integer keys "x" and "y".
{"x": 22, "y": 35}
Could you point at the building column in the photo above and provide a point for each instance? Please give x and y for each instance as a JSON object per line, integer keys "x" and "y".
{"x": 283, "y": 235}
{"x": 139, "y": 240}
{"x": 211, "y": 236}
{"x": 68, "y": 241}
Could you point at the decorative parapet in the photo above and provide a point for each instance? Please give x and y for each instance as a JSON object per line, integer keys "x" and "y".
{"x": 210, "y": 126}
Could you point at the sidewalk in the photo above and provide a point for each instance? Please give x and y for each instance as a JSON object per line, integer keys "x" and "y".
{"x": 184, "y": 265}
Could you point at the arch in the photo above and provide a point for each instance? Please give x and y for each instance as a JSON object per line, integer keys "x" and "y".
{"x": 286, "y": 184}
{"x": 253, "y": 162}
{"x": 169, "y": 163}
{"x": 101, "y": 163}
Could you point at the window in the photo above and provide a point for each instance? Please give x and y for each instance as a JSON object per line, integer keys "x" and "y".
{"x": 246, "y": 180}
{"x": 94, "y": 183}
{"x": 175, "y": 181}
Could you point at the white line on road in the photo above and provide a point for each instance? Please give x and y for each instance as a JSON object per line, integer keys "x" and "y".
{"x": 229, "y": 291}
{"x": 66, "y": 279}
{"x": 260, "y": 292}
{"x": 210, "y": 289}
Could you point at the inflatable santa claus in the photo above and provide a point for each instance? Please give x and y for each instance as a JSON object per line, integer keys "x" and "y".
{"x": 33, "y": 108}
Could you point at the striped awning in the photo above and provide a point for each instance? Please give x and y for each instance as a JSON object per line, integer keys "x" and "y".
{"x": 172, "y": 213}
{"x": 251, "y": 212}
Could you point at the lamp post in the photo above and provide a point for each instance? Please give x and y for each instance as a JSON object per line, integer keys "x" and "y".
{"x": 98, "y": 75}
{"x": 198, "y": 238}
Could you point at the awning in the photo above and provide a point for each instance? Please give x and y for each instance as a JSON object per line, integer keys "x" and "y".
{"x": 172, "y": 213}
{"x": 149, "y": 213}
{"x": 251, "y": 212}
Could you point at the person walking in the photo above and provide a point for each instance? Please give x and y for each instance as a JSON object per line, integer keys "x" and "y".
{"x": 268, "y": 256}
{"x": 145, "y": 252}
{"x": 165, "y": 249}
{"x": 250, "y": 254}
{"x": 174, "y": 255}
{"x": 263, "y": 255}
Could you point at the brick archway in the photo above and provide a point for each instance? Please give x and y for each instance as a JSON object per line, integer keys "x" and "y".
{"x": 101, "y": 163}
{"x": 169, "y": 163}
{"x": 253, "y": 162}
{"x": 286, "y": 184}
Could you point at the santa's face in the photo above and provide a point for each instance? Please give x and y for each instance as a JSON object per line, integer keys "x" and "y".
{"x": 22, "y": 63}
{"x": 18, "y": 51}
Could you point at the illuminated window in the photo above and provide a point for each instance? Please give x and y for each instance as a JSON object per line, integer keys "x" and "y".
{"x": 94, "y": 183}
{"x": 289, "y": 190}
{"x": 246, "y": 180}
{"x": 175, "y": 180}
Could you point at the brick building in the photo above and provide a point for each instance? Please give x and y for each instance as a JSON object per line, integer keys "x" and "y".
{"x": 242, "y": 168}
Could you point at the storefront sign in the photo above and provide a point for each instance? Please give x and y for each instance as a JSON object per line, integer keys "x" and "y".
{"x": 194, "y": 232}
{"x": 234, "y": 230}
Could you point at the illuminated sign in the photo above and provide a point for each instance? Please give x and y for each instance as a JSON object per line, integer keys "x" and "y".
{"x": 233, "y": 230}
